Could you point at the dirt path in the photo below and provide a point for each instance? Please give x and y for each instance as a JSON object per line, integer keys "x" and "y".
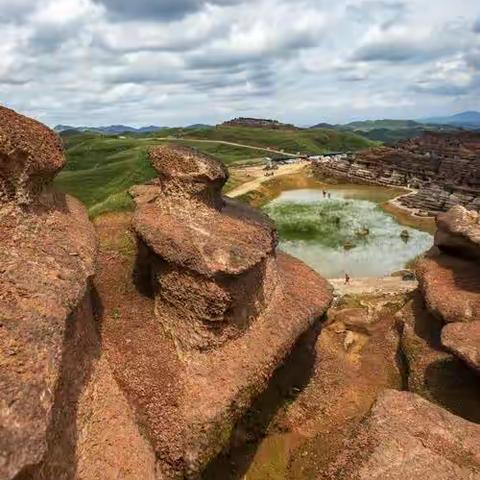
{"x": 259, "y": 177}
{"x": 234, "y": 144}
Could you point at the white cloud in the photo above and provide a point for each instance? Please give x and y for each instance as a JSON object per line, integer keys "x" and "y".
{"x": 186, "y": 61}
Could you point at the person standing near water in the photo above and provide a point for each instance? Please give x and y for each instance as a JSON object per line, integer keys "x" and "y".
{"x": 347, "y": 279}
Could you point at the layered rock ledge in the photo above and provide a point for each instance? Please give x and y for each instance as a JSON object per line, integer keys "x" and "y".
{"x": 449, "y": 280}
{"x": 234, "y": 306}
{"x": 464, "y": 341}
{"x": 442, "y": 168}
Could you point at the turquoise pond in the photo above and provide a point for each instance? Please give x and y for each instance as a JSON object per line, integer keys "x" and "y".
{"x": 320, "y": 230}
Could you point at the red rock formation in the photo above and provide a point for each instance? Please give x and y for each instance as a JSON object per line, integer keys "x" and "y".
{"x": 463, "y": 339}
{"x": 458, "y": 233}
{"x": 30, "y": 156}
{"x": 62, "y": 415}
{"x": 450, "y": 281}
{"x": 47, "y": 252}
{"x": 405, "y": 437}
{"x": 443, "y": 167}
{"x": 234, "y": 307}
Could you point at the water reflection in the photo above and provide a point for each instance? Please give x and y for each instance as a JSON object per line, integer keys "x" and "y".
{"x": 346, "y": 233}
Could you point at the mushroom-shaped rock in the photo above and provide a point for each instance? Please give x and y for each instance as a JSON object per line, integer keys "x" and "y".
{"x": 187, "y": 175}
{"x": 234, "y": 306}
{"x": 30, "y": 156}
{"x": 215, "y": 259}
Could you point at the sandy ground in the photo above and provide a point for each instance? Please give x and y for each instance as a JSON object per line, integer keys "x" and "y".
{"x": 258, "y": 174}
{"x": 373, "y": 286}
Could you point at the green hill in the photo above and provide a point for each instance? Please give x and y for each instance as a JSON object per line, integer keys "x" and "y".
{"x": 311, "y": 141}
{"x": 368, "y": 125}
{"x": 101, "y": 168}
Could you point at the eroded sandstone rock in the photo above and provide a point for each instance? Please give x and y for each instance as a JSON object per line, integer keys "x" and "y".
{"x": 47, "y": 254}
{"x": 443, "y": 167}
{"x": 463, "y": 339}
{"x": 30, "y": 156}
{"x": 458, "y": 232}
{"x": 431, "y": 370}
{"x": 234, "y": 307}
{"x": 406, "y": 437}
{"x": 450, "y": 286}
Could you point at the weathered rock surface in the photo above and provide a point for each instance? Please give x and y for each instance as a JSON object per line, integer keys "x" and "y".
{"x": 458, "y": 233}
{"x": 47, "y": 253}
{"x": 432, "y": 371}
{"x": 62, "y": 414}
{"x": 449, "y": 279}
{"x": 233, "y": 306}
{"x": 463, "y": 339}
{"x": 450, "y": 286}
{"x": 405, "y": 437}
{"x": 30, "y": 156}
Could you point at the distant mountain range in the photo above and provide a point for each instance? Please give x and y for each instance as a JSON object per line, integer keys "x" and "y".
{"x": 119, "y": 129}
{"x": 467, "y": 120}
{"x": 391, "y": 131}
{"x": 385, "y": 130}
{"x": 109, "y": 130}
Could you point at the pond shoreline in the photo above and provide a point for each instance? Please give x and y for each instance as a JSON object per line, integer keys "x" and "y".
{"x": 262, "y": 191}
{"x": 344, "y": 229}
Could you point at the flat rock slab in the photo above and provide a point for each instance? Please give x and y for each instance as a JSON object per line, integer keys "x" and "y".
{"x": 407, "y": 438}
{"x": 209, "y": 242}
{"x": 373, "y": 286}
{"x": 463, "y": 339}
{"x": 450, "y": 286}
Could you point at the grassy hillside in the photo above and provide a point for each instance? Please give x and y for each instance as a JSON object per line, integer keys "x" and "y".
{"x": 368, "y": 125}
{"x": 100, "y": 169}
{"x": 292, "y": 141}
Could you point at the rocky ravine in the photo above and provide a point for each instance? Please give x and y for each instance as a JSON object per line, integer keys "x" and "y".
{"x": 167, "y": 351}
{"x": 404, "y": 435}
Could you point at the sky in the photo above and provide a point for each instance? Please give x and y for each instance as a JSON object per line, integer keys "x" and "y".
{"x": 180, "y": 62}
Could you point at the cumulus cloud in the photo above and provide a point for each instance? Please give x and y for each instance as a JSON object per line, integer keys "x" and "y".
{"x": 173, "y": 62}
{"x": 162, "y": 9}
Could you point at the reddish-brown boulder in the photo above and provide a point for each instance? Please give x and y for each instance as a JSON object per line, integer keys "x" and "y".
{"x": 463, "y": 339}
{"x": 406, "y": 437}
{"x": 431, "y": 370}
{"x": 458, "y": 232}
{"x": 30, "y": 156}
{"x": 450, "y": 286}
